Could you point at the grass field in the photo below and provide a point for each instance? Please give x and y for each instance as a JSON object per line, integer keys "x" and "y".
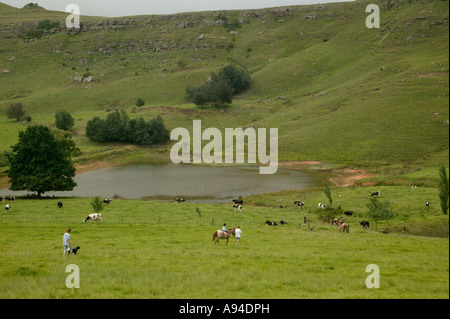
{"x": 164, "y": 250}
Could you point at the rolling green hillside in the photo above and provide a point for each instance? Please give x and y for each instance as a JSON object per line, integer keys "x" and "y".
{"x": 338, "y": 91}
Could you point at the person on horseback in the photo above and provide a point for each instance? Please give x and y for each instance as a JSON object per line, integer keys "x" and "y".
{"x": 224, "y": 228}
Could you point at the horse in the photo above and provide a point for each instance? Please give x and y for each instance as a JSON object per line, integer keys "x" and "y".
{"x": 220, "y": 234}
{"x": 343, "y": 227}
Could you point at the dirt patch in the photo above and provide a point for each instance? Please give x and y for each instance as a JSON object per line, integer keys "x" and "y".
{"x": 92, "y": 166}
{"x": 431, "y": 74}
{"x": 289, "y": 164}
{"x": 348, "y": 177}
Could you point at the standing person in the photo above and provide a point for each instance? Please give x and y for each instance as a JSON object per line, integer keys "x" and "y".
{"x": 66, "y": 242}
{"x": 238, "y": 233}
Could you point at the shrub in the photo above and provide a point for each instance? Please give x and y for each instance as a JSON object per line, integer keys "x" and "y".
{"x": 46, "y": 25}
{"x": 140, "y": 102}
{"x": 16, "y": 111}
{"x": 443, "y": 189}
{"x": 97, "y": 204}
{"x": 64, "y": 120}
{"x": 327, "y": 192}
{"x": 379, "y": 211}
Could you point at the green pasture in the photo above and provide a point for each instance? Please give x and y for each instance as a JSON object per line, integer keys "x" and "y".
{"x": 146, "y": 249}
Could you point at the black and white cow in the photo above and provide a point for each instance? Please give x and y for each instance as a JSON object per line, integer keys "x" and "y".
{"x": 238, "y": 201}
{"x": 107, "y": 201}
{"x": 282, "y": 222}
{"x": 300, "y": 204}
{"x": 320, "y": 205}
{"x": 60, "y": 204}
{"x": 7, "y": 208}
{"x": 348, "y": 213}
{"x": 364, "y": 224}
{"x": 428, "y": 205}
{"x": 237, "y": 208}
{"x": 180, "y": 200}
{"x": 271, "y": 223}
{"x": 376, "y": 194}
{"x": 93, "y": 217}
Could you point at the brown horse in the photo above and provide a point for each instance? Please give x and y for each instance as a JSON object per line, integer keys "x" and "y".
{"x": 220, "y": 234}
{"x": 343, "y": 227}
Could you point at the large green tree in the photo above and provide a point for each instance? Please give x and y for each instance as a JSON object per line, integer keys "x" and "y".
{"x": 42, "y": 161}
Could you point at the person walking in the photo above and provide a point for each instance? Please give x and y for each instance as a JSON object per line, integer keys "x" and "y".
{"x": 238, "y": 233}
{"x": 66, "y": 242}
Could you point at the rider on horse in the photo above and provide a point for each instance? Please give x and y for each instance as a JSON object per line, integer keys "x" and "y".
{"x": 224, "y": 228}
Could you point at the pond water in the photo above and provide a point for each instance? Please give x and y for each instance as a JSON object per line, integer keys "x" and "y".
{"x": 200, "y": 184}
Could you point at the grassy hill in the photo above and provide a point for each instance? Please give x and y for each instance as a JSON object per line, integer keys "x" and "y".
{"x": 338, "y": 91}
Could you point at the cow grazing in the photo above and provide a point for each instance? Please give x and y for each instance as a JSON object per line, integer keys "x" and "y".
{"x": 300, "y": 204}
{"x": 282, "y": 222}
{"x": 107, "y": 201}
{"x": 320, "y": 205}
{"x": 376, "y": 194}
{"x": 428, "y": 205}
{"x": 237, "y": 208}
{"x": 7, "y": 208}
{"x": 348, "y": 213}
{"x": 180, "y": 200}
{"x": 11, "y": 198}
{"x": 271, "y": 223}
{"x": 414, "y": 187}
{"x": 364, "y": 224}
{"x": 93, "y": 217}
{"x": 60, "y": 204}
{"x": 238, "y": 201}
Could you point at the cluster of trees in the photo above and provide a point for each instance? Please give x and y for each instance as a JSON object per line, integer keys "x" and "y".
{"x": 118, "y": 127}
{"x": 220, "y": 88}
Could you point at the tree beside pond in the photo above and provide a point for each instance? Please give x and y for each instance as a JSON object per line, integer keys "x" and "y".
{"x": 42, "y": 161}
{"x": 117, "y": 127}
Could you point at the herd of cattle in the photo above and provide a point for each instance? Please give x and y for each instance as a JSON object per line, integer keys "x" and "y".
{"x": 238, "y": 204}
